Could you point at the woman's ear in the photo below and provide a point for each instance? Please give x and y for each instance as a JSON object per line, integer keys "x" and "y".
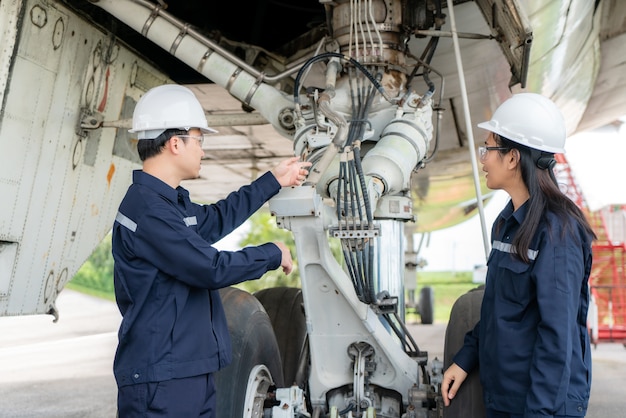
{"x": 514, "y": 158}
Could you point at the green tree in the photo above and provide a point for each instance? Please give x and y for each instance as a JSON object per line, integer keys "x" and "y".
{"x": 263, "y": 229}
{"x": 96, "y": 275}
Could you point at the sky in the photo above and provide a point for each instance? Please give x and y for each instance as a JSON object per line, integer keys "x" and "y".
{"x": 597, "y": 161}
{"x": 461, "y": 248}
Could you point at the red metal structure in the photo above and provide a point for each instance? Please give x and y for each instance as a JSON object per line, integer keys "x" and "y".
{"x": 607, "y": 316}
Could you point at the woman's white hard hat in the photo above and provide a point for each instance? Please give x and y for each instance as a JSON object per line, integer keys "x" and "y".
{"x": 169, "y": 106}
{"x": 530, "y": 119}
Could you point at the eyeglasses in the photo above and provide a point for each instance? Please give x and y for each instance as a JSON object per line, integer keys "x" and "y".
{"x": 199, "y": 138}
{"x": 482, "y": 151}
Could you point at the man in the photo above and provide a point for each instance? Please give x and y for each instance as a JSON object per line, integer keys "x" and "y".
{"x": 173, "y": 333}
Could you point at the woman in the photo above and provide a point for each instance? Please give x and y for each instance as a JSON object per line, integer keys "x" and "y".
{"x": 531, "y": 341}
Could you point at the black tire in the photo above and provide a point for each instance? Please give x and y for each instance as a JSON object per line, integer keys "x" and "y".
{"x": 253, "y": 344}
{"x": 284, "y": 306}
{"x": 426, "y": 305}
{"x": 465, "y": 313}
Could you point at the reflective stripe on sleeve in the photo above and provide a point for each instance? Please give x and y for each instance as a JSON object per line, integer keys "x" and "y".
{"x": 191, "y": 220}
{"x": 126, "y": 221}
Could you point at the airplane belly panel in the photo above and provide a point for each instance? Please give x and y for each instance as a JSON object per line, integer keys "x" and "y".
{"x": 59, "y": 182}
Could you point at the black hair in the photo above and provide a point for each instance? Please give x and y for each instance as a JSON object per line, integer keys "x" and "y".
{"x": 148, "y": 148}
{"x": 545, "y": 195}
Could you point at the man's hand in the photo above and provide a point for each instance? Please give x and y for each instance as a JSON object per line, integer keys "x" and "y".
{"x": 291, "y": 172}
{"x": 286, "y": 262}
{"x": 452, "y": 379}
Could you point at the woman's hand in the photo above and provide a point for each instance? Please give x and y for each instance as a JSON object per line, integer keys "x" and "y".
{"x": 452, "y": 379}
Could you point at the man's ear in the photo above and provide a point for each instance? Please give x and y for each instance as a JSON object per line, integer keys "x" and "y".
{"x": 173, "y": 145}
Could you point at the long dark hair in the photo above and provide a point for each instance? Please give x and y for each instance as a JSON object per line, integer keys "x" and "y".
{"x": 545, "y": 196}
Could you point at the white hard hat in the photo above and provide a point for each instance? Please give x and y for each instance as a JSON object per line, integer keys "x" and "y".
{"x": 529, "y": 119}
{"x": 168, "y": 107}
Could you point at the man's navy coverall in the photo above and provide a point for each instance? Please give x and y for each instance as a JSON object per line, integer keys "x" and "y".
{"x": 167, "y": 277}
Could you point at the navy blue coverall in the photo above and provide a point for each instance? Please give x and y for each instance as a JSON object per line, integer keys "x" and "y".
{"x": 532, "y": 342}
{"x": 167, "y": 277}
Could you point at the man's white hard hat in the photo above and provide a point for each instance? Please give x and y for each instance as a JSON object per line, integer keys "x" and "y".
{"x": 169, "y": 106}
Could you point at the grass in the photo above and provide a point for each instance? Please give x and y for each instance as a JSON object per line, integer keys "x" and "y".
{"x": 447, "y": 287}
{"x": 99, "y": 293}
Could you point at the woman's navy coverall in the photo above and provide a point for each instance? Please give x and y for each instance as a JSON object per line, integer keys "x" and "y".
{"x": 531, "y": 342}
{"x": 167, "y": 277}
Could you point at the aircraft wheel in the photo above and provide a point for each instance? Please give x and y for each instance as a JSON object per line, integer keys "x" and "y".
{"x": 426, "y": 305}
{"x": 286, "y": 312}
{"x": 242, "y": 385}
{"x": 259, "y": 382}
{"x": 465, "y": 313}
